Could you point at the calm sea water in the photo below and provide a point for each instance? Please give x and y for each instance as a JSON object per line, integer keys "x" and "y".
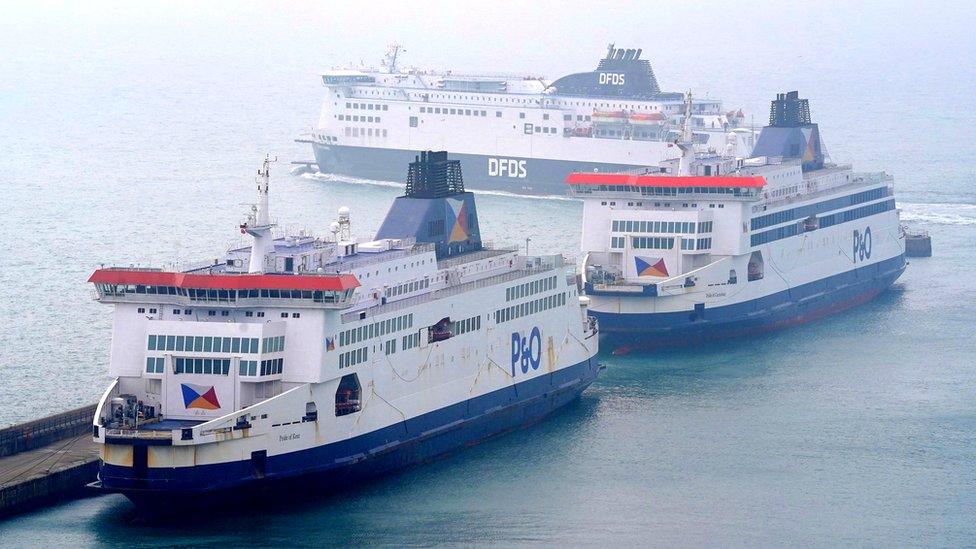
{"x": 131, "y": 135}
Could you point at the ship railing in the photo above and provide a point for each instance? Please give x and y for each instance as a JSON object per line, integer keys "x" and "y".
{"x": 442, "y": 293}
{"x": 142, "y": 434}
{"x": 408, "y": 247}
{"x": 857, "y": 181}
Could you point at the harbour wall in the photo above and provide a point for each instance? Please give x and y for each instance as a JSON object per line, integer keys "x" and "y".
{"x": 44, "y": 431}
{"x": 47, "y": 461}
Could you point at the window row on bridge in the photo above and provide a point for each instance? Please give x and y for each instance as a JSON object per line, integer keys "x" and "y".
{"x": 200, "y": 365}
{"x": 205, "y": 344}
{"x": 317, "y": 296}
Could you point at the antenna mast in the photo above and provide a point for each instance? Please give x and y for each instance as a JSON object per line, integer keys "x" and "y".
{"x": 259, "y": 223}
{"x": 686, "y": 141}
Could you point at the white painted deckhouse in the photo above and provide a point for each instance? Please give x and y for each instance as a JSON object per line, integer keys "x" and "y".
{"x": 521, "y": 134}
{"x": 334, "y": 357}
{"x": 711, "y": 246}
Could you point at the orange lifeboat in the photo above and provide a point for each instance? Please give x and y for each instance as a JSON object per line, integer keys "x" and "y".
{"x": 610, "y": 116}
{"x": 647, "y": 118}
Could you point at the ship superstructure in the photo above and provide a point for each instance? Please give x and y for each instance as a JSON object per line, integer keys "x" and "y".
{"x": 710, "y": 246}
{"x": 521, "y": 134}
{"x": 333, "y": 356}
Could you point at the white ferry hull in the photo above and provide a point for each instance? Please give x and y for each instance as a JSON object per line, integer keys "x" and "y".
{"x": 335, "y": 359}
{"x": 383, "y": 451}
{"x": 771, "y": 312}
{"x": 806, "y": 277}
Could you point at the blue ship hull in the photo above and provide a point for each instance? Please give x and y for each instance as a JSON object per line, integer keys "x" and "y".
{"x": 337, "y": 465}
{"x": 542, "y": 177}
{"x": 790, "y": 307}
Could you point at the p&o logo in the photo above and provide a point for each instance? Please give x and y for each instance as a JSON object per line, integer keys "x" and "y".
{"x": 506, "y": 167}
{"x": 526, "y": 351}
{"x": 862, "y": 245}
{"x": 613, "y": 78}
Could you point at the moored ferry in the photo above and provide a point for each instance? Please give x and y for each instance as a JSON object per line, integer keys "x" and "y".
{"x": 334, "y": 357}
{"x": 521, "y": 134}
{"x": 712, "y": 246}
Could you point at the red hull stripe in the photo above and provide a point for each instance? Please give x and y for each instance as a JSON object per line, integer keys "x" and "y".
{"x": 226, "y": 282}
{"x": 581, "y": 178}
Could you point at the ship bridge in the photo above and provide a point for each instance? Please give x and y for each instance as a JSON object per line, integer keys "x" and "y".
{"x": 132, "y": 285}
{"x": 645, "y": 183}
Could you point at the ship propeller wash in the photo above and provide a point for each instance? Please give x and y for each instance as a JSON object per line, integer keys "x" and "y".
{"x": 334, "y": 358}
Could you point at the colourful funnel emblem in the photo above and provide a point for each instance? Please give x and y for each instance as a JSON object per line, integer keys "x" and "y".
{"x": 651, "y": 266}
{"x": 199, "y": 396}
{"x": 457, "y": 219}
{"x": 810, "y": 152}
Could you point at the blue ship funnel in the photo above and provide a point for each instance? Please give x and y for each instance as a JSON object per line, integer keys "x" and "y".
{"x": 435, "y": 208}
{"x": 791, "y": 133}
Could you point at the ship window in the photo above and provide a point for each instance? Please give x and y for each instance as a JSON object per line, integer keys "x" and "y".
{"x": 521, "y": 115}
{"x": 413, "y": 121}
{"x": 498, "y": 114}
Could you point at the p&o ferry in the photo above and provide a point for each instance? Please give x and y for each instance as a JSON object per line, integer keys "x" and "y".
{"x": 521, "y": 134}
{"x": 334, "y": 357}
{"x": 711, "y": 246}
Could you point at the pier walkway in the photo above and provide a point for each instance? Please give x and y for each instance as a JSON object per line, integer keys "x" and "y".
{"x": 46, "y": 460}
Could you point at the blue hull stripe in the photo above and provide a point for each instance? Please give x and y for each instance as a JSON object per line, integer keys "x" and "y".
{"x": 413, "y": 441}
{"x": 793, "y": 306}
{"x": 543, "y": 176}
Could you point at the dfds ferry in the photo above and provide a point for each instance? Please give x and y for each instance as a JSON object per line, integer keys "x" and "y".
{"x": 522, "y": 134}
{"x": 714, "y": 246}
{"x": 333, "y": 357}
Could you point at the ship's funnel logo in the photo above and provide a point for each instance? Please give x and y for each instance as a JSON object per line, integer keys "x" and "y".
{"x": 457, "y": 219}
{"x": 810, "y": 153}
{"x": 199, "y": 396}
{"x": 651, "y": 266}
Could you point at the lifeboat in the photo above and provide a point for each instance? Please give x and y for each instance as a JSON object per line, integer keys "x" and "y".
{"x": 654, "y": 118}
{"x": 619, "y": 117}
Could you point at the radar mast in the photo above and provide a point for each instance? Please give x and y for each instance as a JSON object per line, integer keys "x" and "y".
{"x": 259, "y": 224}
